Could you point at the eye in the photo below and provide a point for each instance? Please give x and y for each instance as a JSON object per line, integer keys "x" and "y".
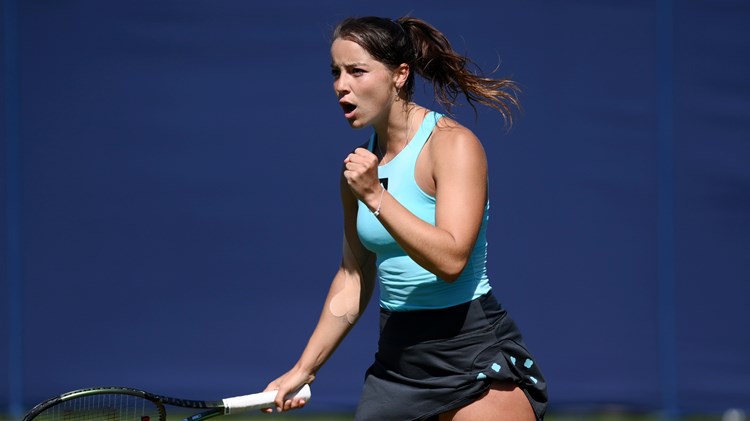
{"x": 335, "y": 72}
{"x": 357, "y": 71}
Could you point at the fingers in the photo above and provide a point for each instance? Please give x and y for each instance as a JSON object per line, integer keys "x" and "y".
{"x": 361, "y": 158}
{"x": 290, "y": 382}
{"x": 286, "y": 404}
{"x": 274, "y": 385}
{"x": 363, "y": 153}
{"x": 289, "y": 404}
{"x": 279, "y": 401}
{"x": 361, "y": 172}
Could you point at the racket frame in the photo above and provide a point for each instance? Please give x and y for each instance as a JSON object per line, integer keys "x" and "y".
{"x": 213, "y": 408}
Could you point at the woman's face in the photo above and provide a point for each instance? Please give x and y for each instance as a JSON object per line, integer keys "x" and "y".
{"x": 364, "y": 86}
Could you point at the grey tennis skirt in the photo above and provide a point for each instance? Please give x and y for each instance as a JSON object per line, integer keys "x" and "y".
{"x": 433, "y": 361}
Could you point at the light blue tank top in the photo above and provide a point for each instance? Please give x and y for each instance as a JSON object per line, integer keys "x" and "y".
{"x": 404, "y": 285}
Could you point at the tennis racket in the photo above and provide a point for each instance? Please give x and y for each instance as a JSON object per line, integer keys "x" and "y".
{"x": 126, "y": 404}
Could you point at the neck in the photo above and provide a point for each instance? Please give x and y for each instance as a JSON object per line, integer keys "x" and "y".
{"x": 398, "y": 130}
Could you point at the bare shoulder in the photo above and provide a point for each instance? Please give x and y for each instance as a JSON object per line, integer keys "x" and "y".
{"x": 450, "y": 139}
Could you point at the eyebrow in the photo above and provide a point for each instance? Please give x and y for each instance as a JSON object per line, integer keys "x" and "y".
{"x": 356, "y": 64}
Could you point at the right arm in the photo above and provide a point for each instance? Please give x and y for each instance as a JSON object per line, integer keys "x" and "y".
{"x": 348, "y": 296}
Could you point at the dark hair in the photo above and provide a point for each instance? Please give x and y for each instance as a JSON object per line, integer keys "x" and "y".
{"x": 429, "y": 53}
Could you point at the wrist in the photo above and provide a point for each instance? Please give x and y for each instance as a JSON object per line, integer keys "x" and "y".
{"x": 376, "y": 201}
{"x": 306, "y": 371}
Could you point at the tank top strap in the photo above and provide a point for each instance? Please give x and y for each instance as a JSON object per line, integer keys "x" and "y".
{"x": 425, "y": 130}
{"x": 420, "y": 137}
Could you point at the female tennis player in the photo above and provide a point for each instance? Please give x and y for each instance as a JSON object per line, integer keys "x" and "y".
{"x": 415, "y": 208}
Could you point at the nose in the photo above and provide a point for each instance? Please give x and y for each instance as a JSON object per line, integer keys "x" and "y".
{"x": 341, "y": 86}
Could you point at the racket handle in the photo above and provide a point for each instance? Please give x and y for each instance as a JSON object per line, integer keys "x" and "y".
{"x": 261, "y": 400}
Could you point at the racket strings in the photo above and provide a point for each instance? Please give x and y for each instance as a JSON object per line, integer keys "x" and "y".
{"x": 103, "y": 407}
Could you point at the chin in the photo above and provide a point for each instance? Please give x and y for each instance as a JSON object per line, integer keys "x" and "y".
{"x": 357, "y": 124}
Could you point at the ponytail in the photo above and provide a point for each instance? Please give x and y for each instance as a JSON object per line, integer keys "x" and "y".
{"x": 450, "y": 74}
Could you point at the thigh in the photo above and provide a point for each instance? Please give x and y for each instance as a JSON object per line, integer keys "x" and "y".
{"x": 503, "y": 402}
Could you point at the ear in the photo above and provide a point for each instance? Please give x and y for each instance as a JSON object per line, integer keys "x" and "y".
{"x": 400, "y": 75}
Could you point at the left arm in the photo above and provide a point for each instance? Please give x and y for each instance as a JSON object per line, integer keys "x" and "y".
{"x": 458, "y": 166}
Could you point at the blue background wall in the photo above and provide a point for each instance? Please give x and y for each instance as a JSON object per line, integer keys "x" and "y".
{"x": 175, "y": 166}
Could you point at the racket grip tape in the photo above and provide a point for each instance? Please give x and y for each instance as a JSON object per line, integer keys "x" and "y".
{"x": 261, "y": 400}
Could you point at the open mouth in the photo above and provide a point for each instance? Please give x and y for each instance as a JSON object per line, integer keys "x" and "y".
{"x": 348, "y": 108}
